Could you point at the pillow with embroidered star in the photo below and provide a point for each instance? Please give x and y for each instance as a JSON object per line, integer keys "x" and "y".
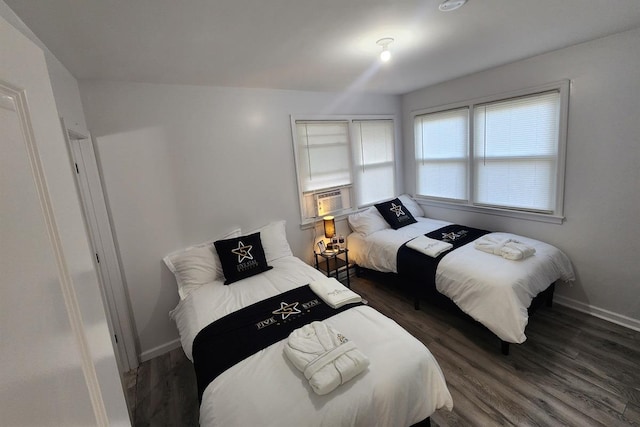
{"x": 274, "y": 240}
{"x": 241, "y": 257}
{"x": 196, "y": 265}
{"x": 395, "y": 213}
{"x": 367, "y": 222}
{"x": 414, "y": 208}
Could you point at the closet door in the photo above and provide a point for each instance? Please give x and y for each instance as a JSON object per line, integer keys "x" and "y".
{"x": 95, "y": 211}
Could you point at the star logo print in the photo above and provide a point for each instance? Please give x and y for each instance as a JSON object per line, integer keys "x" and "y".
{"x": 396, "y": 209}
{"x": 449, "y": 236}
{"x": 287, "y": 310}
{"x": 243, "y": 251}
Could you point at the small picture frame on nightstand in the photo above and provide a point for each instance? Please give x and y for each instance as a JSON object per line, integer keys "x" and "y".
{"x": 322, "y": 248}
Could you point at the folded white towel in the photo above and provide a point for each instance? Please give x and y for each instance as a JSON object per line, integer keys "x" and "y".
{"x": 326, "y": 357}
{"x": 515, "y": 250}
{"x": 490, "y": 244}
{"x": 429, "y": 246}
{"x": 334, "y": 293}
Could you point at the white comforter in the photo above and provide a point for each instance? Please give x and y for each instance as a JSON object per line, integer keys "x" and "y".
{"x": 494, "y": 291}
{"x": 402, "y": 386}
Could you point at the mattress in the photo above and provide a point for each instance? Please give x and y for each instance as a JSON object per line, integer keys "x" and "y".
{"x": 402, "y": 386}
{"x": 494, "y": 291}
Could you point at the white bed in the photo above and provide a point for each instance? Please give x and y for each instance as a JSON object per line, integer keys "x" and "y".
{"x": 402, "y": 386}
{"x": 494, "y": 291}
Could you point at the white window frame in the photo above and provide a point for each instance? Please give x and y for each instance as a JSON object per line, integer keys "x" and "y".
{"x": 358, "y": 157}
{"x": 351, "y": 120}
{"x": 465, "y": 159}
{"x": 557, "y": 216}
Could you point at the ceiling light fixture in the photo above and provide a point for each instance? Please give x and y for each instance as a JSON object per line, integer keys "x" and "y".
{"x": 385, "y": 55}
{"x": 449, "y": 5}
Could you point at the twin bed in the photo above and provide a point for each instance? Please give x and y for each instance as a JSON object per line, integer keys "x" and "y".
{"x": 493, "y": 290}
{"x": 402, "y": 385}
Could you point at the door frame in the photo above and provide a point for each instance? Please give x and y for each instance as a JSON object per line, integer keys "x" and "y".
{"x": 106, "y": 259}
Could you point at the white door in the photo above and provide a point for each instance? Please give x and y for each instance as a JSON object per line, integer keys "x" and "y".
{"x": 57, "y": 363}
{"x": 107, "y": 264}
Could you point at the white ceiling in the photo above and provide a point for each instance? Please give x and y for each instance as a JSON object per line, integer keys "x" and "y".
{"x": 317, "y": 45}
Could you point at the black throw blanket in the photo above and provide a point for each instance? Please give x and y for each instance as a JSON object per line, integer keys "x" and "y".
{"x": 420, "y": 269}
{"x": 238, "y": 335}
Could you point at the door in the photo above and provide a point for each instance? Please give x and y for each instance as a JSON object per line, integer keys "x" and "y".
{"x": 58, "y": 365}
{"x": 112, "y": 285}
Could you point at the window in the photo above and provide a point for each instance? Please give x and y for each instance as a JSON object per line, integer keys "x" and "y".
{"x": 343, "y": 163}
{"x": 516, "y": 144}
{"x": 515, "y": 152}
{"x": 442, "y": 139}
{"x": 323, "y": 155}
{"x": 374, "y": 165}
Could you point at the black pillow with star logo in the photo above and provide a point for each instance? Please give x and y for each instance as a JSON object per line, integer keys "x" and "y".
{"x": 241, "y": 257}
{"x": 395, "y": 213}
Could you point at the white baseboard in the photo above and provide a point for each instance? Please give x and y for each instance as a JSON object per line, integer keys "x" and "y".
{"x": 601, "y": 313}
{"x": 159, "y": 350}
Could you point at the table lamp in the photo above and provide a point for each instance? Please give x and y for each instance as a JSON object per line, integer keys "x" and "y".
{"x": 329, "y": 228}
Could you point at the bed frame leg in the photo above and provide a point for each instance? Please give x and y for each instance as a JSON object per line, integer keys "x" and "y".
{"x": 424, "y": 423}
{"x": 549, "y": 301}
{"x": 504, "y": 346}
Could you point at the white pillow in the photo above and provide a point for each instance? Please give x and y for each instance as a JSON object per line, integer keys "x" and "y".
{"x": 196, "y": 265}
{"x": 274, "y": 240}
{"x": 412, "y": 205}
{"x": 367, "y": 221}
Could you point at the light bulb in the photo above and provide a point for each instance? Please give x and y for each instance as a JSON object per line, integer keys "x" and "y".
{"x": 385, "y": 55}
{"x": 449, "y": 5}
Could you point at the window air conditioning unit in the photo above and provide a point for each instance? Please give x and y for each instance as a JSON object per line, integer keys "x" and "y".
{"x": 332, "y": 201}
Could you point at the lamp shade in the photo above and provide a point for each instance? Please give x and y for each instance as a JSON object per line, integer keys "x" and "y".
{"x": 329, "y": 226}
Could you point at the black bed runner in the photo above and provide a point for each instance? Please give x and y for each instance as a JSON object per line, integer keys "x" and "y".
{"x": 420, "y": 269}
{"x": 238, "y": 335}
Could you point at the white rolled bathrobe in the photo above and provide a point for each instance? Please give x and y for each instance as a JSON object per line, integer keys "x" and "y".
{"x": 325, "y": 356}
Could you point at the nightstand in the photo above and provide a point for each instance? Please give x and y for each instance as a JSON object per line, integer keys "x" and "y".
{"x": 334, "y": 263}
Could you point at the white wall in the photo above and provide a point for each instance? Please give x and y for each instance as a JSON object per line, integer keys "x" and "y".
{"x": 65, "y": 87}
{"x": 602, "y": 204}
{"x": 186, "y": 164}
{"x": 55, "y": 341}
{"x": 67, "y": 94}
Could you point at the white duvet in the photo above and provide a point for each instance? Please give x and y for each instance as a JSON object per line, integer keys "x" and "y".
{"x": 494, "y": 291}
{"x": 402, "y": 385}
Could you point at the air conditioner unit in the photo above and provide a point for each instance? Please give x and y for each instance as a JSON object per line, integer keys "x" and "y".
{"x": 326, "y": 202}
{"x": 329, "y": 202}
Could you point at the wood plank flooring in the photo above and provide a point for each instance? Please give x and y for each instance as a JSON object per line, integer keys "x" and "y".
{"x": 162, "y": 392}
{"x": 574, "y": 369}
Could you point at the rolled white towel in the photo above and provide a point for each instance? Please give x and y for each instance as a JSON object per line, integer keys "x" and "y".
{"x": 429, "y": 246}
{"x": 515, "y": 250}
{"x": 491, "y": 244}
{"x": 334, "y": 293}
{"x": 326, "y": 357}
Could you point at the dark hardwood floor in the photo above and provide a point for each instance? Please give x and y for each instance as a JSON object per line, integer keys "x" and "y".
{"x": 573, "y": 370}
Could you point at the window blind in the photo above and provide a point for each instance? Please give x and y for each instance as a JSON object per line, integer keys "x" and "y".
{"x": 373, "y": 153}
{"x": 442, "y": 153}
{"x": 323, "y": 154}
{"x": 515, "y": 152}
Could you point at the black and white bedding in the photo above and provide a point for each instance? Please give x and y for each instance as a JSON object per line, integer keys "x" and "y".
{"x": 253, "y": 328}
{"x": 419, "y": 264}
{"x": 491, "y": 289}
{"x": 402, "y": 385}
